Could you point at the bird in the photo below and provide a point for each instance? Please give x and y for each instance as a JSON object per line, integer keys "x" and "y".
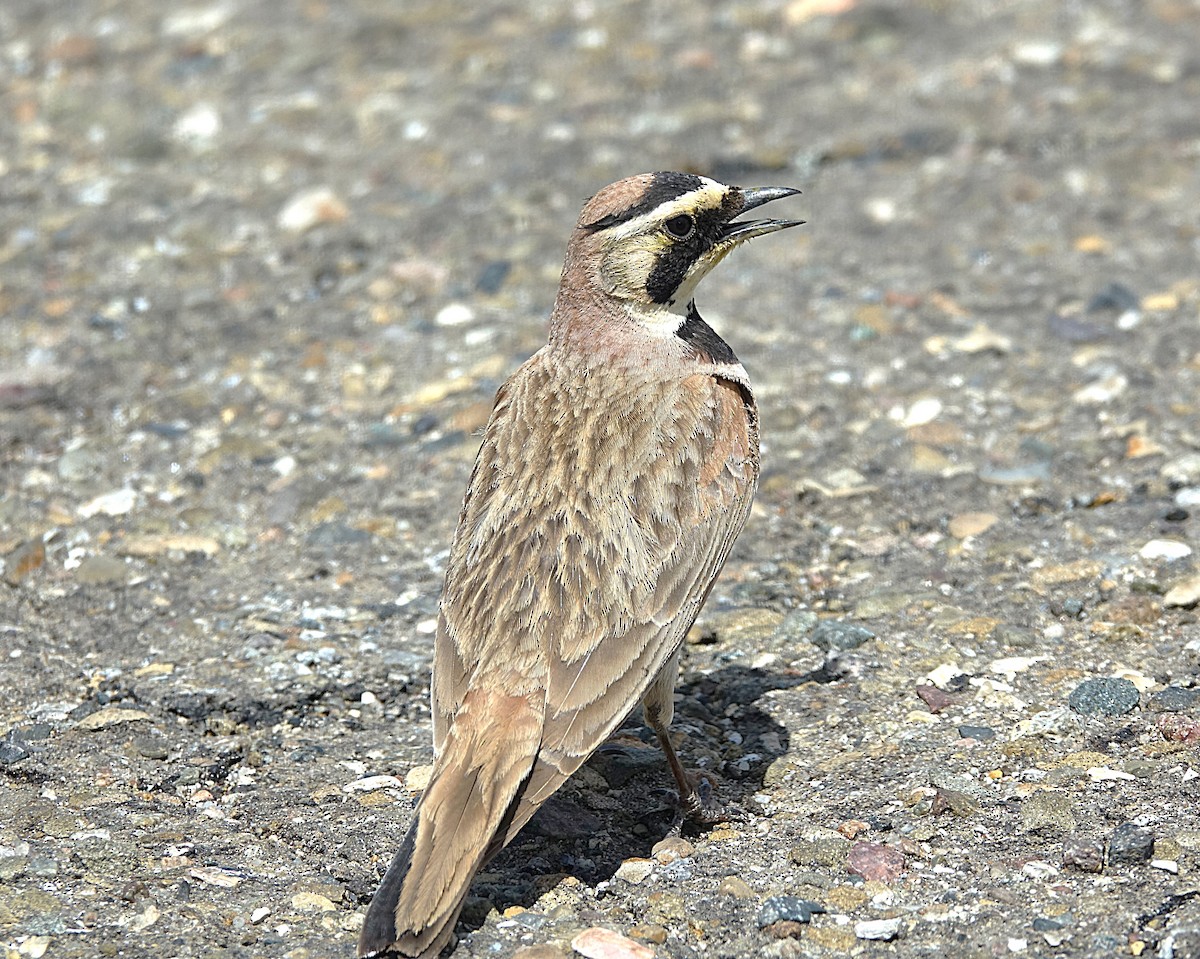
{"x": 614, "y": 474}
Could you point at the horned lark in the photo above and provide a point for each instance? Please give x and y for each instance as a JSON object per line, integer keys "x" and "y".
{"x": 615, "y": 472}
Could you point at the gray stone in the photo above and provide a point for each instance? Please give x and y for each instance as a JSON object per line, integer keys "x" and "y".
{"x": 838, "y": 636}
{"x": 1130, "y": 845}
{"x": 1175, "y": 699}
{"x": 1104, "y": 697}
{"x": 787, "y": 909}
{"x": 1047, "y": 812}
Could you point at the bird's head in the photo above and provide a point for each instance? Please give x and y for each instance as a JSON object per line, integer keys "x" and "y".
{"x": 647, "y": 240}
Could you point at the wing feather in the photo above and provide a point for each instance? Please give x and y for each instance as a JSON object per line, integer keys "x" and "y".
{"x": 587, "y": 545}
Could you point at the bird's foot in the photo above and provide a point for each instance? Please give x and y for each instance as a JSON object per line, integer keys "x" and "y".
{"x": 700, "y": 805}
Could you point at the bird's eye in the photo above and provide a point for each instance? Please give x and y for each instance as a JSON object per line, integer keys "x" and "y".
{"x": 680, "y": 227}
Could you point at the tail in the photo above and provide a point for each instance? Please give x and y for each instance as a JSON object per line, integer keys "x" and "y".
{"x": 461, "y": 822}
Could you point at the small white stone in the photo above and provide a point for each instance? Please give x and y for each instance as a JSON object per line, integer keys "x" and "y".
{"x": 370, "y": 784}
{"x": 1166, "y": 865}
{"x": 1101, "y": 774}
{"x": 1143, "y": 682}
{"x": 634, "y": 870}
{"x": 1038, "y": 869}
{"x": 921, "y": 412}
{"x": 199, "y": 126}
{"x": 416, "y": 130}
{"x": 1102, "y": 391}
{"x": 942, "y": 676}
{"x": 1011, "y": 665}
{"x": 454, "y": 314}
{"x": 196, "y": 21}
{"x": 259, "y": 915}
{"x": 881, "y": 929}
{"x": 117, "y": 503}
{"x": 1017, "y": 945}
{"x": 881, "y": 209}
{"x": 418, "y": 778}
{"x": 1184, "y": 593}
{"x": 1169, "y": 549}
{"x": 1038, "y": 53}
{"x": 309, "y": 207}
{"x": 285, "y": 465}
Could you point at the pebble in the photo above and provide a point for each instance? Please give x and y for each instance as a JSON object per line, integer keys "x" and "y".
{"x": 873, "y": 860}
{"x": 947, "y": 677}
{"x": 1185, "y": 593}
{"x": 454, "y": 314}
{"x": 839, "y": 636}
{"x": 971, "y": 524}
{"x": 672, "y": 848}
{"x": 111, "y": 716}
{"x": 598, "y": 943}
{"x": 923, "y": 411}
{"x": 977, "y": 732}
{"x": 1104, "y": 696}
{"x": 1182, "y": 471}
{"x": 117, "y": 503}
{"x": 371, "y": 783}
{"x": 22, "y": 561}
{"x": 936, "y": 699}
{"x": 1130, "y": 844}
{"x": 198, "y": 127}
{"x": 310, "y": 207}
{"x": 880, "y": 929}
{"x": 635, "y": 870}
{"x": 101, "y": 571}
{"x": 787, "y": 909}
{"x": 735, "y": 886}
{"x": 1019, "y": 475}
{"x": 1084, "y": 854}
{"x": 749, "y": 625}
{"x": 12, "y": 752}
{"x": 312, "y": 902}
{"x": 824, "y": 847}
{"x": 1047, "y": 812}
{"x": 650, "y": 932}
{"x": 1104, "y": 390}
{"x": 1168, "y": 549}
{"x": 151, "y": 747}
{"x": 795, "y": 627}
{"x": 1174, "y": 699}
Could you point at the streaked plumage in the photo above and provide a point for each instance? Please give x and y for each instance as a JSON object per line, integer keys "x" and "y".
{"x": 615, "y": 473}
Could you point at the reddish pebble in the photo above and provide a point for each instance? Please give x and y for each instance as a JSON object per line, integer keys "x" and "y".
{"x": 597, "y": 943}
{"x": 873, "y": 860}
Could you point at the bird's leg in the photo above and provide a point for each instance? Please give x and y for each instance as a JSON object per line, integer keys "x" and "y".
{"x": 658, "y": 707}
{"x": 695, "y": 792}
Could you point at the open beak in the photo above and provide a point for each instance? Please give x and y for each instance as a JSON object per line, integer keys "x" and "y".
{"x": 739, "y": 230}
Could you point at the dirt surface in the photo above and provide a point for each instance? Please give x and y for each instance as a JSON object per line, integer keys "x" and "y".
{"x": 262, "y": 268}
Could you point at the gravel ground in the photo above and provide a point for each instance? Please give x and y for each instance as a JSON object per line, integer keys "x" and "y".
{"x": 262, "y": 268}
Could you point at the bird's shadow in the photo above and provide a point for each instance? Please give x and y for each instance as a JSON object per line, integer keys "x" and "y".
{"x": 623, "y": 800}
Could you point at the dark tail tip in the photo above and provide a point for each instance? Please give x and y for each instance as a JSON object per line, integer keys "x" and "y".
{"x": 379, "y": 928}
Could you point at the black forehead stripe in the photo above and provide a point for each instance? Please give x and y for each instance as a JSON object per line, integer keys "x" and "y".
{"x": 663, "y": 188}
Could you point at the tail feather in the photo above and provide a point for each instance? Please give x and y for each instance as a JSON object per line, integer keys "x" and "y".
{"x": 460, "y": 823}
